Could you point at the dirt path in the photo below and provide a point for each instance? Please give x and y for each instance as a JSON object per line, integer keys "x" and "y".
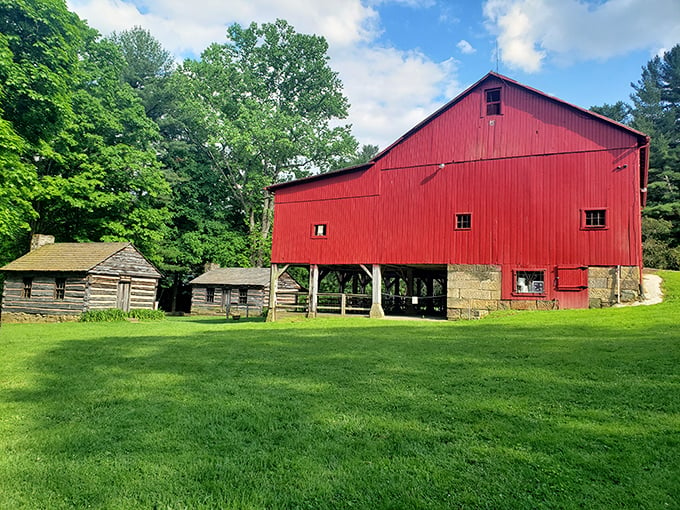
{"x": 651, "y": 285}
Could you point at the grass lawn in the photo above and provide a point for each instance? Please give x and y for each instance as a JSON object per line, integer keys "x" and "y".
{"x": 566, "y": 409}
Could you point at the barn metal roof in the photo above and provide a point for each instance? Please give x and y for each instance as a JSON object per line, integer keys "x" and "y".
{"x": 252, "y": 276}
{"x": 65, "y": 257}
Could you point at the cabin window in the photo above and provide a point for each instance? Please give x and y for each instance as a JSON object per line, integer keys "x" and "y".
{"x": 209, "y": 295}
{"x": 28, "y": 287}
{"x": 594, "y": 218}
{"x": 59, "y": 288}
{"x": 463, "y": 221}
{"x": 319, "y": 230}
{"x": 493, "y": 101}
{"x": 530, "y": 282}
{"x": 242, "y": 296}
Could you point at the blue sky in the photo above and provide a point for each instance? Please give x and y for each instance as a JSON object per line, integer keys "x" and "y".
{"x": 400, "y": 60}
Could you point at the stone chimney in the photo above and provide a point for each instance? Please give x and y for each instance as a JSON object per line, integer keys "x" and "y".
{"x": 39, "y": 240}
{"x": 209, "y": 266}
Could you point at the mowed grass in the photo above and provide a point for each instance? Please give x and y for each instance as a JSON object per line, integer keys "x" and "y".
{"x": 566, "y": 409}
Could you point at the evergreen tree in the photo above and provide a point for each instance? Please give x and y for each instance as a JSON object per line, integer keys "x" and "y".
{"x": 656, "y": 112}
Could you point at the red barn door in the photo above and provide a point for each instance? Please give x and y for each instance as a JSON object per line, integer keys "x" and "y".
{"x": 572, "y": 287}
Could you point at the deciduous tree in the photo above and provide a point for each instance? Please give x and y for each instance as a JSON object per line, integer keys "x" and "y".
{"x": 260, "y": 107}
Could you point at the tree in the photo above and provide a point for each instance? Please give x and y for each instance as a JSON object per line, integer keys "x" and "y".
{"x": 101, "y": 180}
{"x": 363, "y": 155}
{"x": 619, "y": 111}
{"x": 75, "y": 143}
{"x": 17, "y": 178}
{"x": 147, "y": 65}
{"x": 656, "y": 112}
{"x": 38, "y": 57}
{"x": 259, "y": 107}
{"x": 42, "y": 39}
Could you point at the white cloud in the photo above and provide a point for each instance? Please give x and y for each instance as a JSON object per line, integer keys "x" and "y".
{"x": 389, "y": 90}
{"x": 190, "y": 26}
{"x": 465, "y": 47}
{"x": 530, "y": 32}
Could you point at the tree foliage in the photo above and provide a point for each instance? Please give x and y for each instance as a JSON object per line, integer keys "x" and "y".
{"x": 147, "y": 65}
{"x": 655, "y": 111}
{"x": 259, "y": 108}
{"x": 73, "y": 134}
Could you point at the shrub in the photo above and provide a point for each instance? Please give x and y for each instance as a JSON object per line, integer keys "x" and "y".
{"x": 107, "y": 315}
{"x": 147, "y": 315}
{"x": 115, "y": 315}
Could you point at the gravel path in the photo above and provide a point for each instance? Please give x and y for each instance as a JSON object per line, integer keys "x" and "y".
{"x": 651, "y": 284}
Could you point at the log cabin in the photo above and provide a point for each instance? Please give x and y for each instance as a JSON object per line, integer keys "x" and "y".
{"x": 238, "y": 291}
{"x": 60, "y": 281}
{"x": 504, "y": 198}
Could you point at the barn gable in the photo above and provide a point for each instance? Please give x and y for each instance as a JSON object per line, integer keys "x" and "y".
{"x": 522, "y": 122}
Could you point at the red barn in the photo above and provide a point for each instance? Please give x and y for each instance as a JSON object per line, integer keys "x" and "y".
{"x": 504, "y": 198}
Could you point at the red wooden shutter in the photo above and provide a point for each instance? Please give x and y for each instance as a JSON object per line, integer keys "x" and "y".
{"x": 572, "y": 278}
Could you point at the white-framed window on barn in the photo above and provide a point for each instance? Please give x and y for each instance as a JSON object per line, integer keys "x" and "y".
{"x": 529, "y": 282}
{"x": 242, "y": 296}
{"x": 27, "y": 287}
{"x": 59, "y": 288}
{"x": 210, "y": 295}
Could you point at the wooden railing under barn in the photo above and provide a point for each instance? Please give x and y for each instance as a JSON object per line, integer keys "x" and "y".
{"x": 329, "y": 302}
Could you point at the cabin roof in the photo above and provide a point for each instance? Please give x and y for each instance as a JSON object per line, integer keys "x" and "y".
{"x": 65, "y": 257}
{"x": 642, "y": 138}
{"x": 251, "y": 276}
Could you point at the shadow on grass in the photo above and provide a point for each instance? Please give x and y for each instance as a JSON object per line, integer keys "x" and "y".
{"x": 567, "y": 410}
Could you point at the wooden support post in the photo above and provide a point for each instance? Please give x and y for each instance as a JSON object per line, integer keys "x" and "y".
{"x": 343, "y": 304}
{"x": 313, "y": 290}
{"x": 409, "y": 291}
{"x": 430, "y": 292}
{"x": 376, "y": 306}
{"x": 273, "y": 287}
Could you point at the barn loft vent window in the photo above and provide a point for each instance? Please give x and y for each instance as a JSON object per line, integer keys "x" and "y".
{"x": 242, "y": 296}
{"x": 59, "y": 288}
{"x": 463, "y": 221}
{"x": 529, "y": 282}
{"x": 595, "y": 218}
{"x": 493, "y": 101}
{"x": 319, "y": 230}
{"x": 28, "y": 287}
{"x": 209, "y": 295}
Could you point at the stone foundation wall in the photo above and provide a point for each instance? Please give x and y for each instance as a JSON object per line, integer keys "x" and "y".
{"x": 472, "y": 290}
{"x": 475, "y": 290}
{"x": 11, "y": 317}
{"x": 602, "y": 285}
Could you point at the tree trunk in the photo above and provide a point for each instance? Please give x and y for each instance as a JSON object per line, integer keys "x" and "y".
{"x": 261, "y": 232}
{"x": 175, "y": 288}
